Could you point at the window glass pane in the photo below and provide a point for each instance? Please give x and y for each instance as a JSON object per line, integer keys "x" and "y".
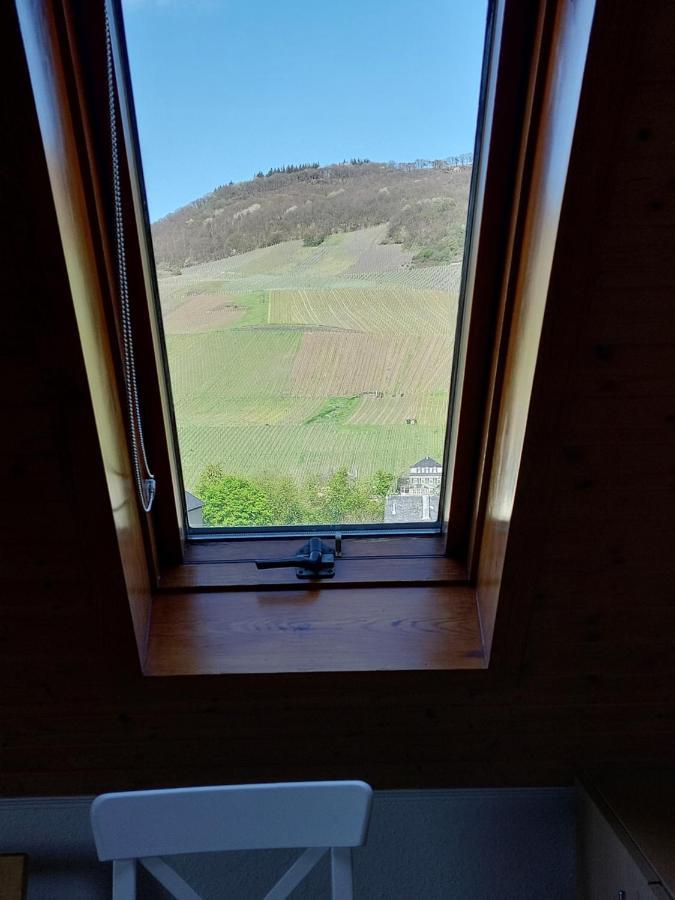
{"x": 308, "y": 169}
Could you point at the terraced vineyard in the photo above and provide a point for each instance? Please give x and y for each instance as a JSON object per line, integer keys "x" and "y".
{"x": 298, "y": 360}
{"x": 371, "y": 310}
{"x": 427, "y": 409}
{"x": 343, "y": 363}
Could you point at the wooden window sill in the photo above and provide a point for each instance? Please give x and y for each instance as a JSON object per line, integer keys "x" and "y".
{"x": 365, "y": 562}
{"x": 339, "y": 629}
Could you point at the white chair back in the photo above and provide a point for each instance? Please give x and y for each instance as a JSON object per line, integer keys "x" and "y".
{"x": 146, "y": 825}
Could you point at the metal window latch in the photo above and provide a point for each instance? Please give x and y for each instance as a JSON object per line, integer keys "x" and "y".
{"x": 313, "y": 560}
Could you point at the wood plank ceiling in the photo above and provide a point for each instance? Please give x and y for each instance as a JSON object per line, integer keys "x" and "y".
{"x": 594, "y": 531}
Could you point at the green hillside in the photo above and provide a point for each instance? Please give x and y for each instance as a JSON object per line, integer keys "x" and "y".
{"x": 304, "y": 359}
{"x": 423, "y": 206}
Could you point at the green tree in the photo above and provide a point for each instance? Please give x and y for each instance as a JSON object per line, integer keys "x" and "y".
{"x": 383, "y": 483}
{"x": 271, "y": 499}
{"x": 314, "y": 237}
{"x": 229, "y": 500}
{"x": 285, "y": 498}
{"x": 339, "y": 500}
{"x": 313, "y": 497}
{"x": 347, "y": 500}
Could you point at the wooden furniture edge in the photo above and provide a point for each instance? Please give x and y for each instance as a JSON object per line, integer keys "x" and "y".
{"x": 426, "y": 628}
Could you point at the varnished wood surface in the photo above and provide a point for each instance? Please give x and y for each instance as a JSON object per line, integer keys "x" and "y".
{"x": 415, "y": 561}
{"x": 315, "y": 631}
{"x": 498, "y": 183}
{"x": 68, "y": 196}
{"x": 208, "y": 551}
{"x": 597, "y": 437}
{"x": 590, "y": 541}
{"x": 54, "y": 546}
{"x": 166, "y": 522}
{"x": 534, "y": 259}
{"x": 350, "y": 571}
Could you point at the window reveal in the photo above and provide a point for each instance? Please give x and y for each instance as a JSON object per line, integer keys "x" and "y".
{"x": 309, "y": 309}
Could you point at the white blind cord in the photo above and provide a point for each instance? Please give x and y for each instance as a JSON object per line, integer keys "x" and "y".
{"x": 145, "y": 480}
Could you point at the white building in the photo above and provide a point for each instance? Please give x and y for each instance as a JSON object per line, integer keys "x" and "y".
{"x": 422, "y": 478}
{"x": 418, "y": 494}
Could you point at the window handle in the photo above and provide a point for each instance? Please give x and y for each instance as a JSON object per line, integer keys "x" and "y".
{"x": 313, "y": 560}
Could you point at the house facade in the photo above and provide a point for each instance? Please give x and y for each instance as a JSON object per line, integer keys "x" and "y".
{"x": 418, "y": 494}
{"x": 422, "y": 478}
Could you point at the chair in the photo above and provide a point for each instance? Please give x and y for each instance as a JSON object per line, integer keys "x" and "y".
{"x": 142, "y": 826}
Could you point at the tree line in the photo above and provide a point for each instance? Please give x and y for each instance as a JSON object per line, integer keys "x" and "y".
{"x": 341, "y": 499}
{"x": 447, "y": 162}
{"x": 287, "y": 170}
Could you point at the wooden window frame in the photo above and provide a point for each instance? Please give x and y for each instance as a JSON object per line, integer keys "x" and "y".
{"x": 198, "y": 610}
{"x": 498, "y": 145}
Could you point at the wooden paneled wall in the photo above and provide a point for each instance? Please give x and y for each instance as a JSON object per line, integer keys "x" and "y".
{"x": 61, "y": 576}
{"x": 589, "y": 566}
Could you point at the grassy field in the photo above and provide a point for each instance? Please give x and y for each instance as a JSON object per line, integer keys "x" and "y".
{"x": 298, "y": 360}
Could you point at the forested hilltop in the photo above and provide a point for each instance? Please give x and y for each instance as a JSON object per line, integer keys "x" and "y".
{"x": 424, "y": 205}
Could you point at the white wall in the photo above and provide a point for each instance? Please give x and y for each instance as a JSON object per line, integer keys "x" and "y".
{"x": 508, "y": 844}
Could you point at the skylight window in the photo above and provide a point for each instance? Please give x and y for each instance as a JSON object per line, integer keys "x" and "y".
{"x": 308, "y": 173}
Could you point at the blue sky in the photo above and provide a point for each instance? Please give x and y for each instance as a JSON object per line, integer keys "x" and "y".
{"x": 224, "y": 88}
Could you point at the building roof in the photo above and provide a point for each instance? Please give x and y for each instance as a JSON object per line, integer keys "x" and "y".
{"x": 192, "y": 502}
{"x": 427, "y": 462}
